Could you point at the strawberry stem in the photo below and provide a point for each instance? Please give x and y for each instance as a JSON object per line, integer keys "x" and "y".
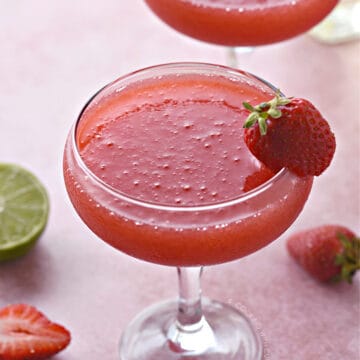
{"x": 349, "y": 259}
{"x": 261, "y": 112}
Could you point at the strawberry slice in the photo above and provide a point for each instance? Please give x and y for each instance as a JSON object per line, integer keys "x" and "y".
{"x": 289, "y": 133}
{"x": 26, "y": 334}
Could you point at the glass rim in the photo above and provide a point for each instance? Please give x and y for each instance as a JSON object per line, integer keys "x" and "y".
{"x": 158, "y": 205}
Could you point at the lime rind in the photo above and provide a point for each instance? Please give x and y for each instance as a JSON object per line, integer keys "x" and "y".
{"x": 24, "y": 209}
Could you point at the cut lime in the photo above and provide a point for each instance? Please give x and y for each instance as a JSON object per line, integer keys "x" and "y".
{"x": 24, "y": 209}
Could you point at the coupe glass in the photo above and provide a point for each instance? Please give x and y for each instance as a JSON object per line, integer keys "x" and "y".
{"x": 186, "y": 237}
{"x": 241, "y": 24}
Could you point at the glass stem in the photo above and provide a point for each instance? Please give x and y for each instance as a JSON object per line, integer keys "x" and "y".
{"x": 231, "y": 57}
{"x": 232, "y": 53}
{"x": 189, "y": 310}
{"x": 190, "y": 333}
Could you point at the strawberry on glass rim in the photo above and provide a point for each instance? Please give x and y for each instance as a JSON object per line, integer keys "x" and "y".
{"x": 291, "y": 133}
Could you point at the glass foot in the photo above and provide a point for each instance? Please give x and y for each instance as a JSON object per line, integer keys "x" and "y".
{"x": 226, "y": 334}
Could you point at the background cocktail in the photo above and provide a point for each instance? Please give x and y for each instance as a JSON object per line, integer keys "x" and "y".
{"x": 156, "y": 166}
{"x": 242, "y": 22}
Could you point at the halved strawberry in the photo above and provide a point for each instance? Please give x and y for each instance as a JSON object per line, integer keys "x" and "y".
{"x": 26, "y": 334}
{"x": 289, "y": 133}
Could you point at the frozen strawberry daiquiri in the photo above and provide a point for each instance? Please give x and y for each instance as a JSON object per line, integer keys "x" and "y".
{"x": 157, "y": 167}
{"x": 242, "y": 22}
{"x": 176, "y": 142}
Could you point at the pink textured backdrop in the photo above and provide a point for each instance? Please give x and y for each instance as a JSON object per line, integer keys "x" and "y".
{"x": 53, "y": 56}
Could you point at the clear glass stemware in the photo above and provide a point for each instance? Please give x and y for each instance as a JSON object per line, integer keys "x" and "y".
{"x": 190, "y": 327}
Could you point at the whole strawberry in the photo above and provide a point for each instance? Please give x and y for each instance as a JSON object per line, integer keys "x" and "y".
{"x": 289, "y": 133}
{"x": 328, "y": 252}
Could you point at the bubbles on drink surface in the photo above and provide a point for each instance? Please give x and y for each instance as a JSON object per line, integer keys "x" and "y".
{"x": 170, "y": 171}
{"x": 172, "y": 148}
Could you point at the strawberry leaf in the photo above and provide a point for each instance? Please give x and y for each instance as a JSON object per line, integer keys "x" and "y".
{"x": 247, "y": 106}
{"x": 349, "y": 259}
{"x": 274, "y": 113}
{"x": 251, "y": 120}
{"x": 262, "y": 126}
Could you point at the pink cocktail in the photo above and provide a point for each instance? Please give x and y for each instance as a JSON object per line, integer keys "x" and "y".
{"x": 157, "y": 167}
{"x": 242, "y": 22}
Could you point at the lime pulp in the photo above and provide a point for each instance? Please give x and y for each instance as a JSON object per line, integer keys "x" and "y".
{"x": 24, "y": 209}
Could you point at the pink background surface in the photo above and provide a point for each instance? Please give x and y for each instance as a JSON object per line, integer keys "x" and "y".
{"x": 53, "y": 56}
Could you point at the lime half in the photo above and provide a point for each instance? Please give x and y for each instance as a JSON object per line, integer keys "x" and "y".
{"x": 24, "y": 209}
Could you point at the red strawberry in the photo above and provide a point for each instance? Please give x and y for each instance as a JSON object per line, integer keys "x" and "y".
{"x": 328, "y": 252}
{"x": 289, "y": 133}
{"x": 26, "y": 334}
